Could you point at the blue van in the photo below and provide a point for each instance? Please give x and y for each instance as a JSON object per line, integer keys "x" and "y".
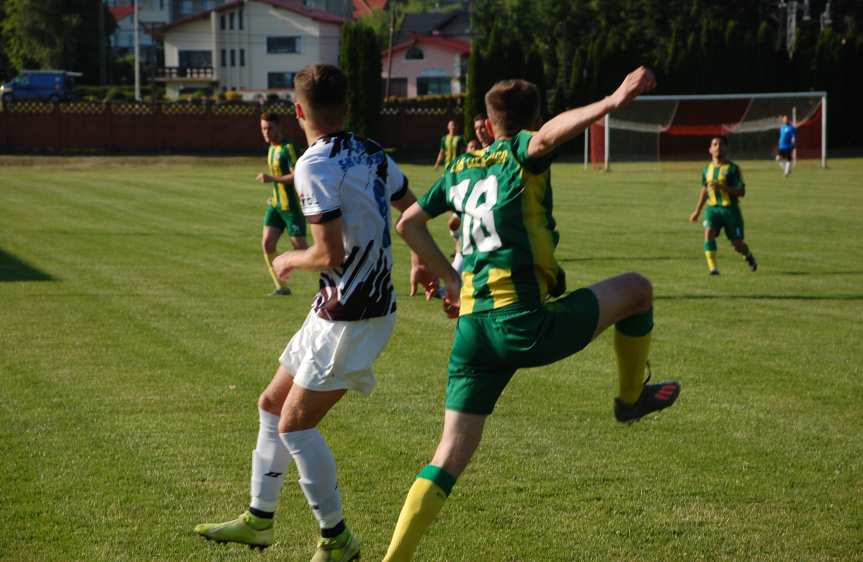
{"x": 52, "y": 85}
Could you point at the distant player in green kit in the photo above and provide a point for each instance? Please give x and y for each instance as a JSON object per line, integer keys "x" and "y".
{"x": 722, "y": 186}
{"x": 506, "y": 321}
{"x": 451, "y": 145}
{"x": 283, "y": 209}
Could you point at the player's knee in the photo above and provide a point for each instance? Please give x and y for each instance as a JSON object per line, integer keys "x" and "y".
{"x": 641, "y": 290}
{"x": 268, "y": 404}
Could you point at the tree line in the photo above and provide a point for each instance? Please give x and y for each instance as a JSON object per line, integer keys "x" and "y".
{"x": 577, "y": 51}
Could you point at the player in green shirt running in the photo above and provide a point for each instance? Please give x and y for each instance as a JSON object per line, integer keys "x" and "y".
{"x": 283, "y": 208}
{"x": 506, "y": 320}
{"x": 722, "y": 187}
{"x": 451, "y": 145}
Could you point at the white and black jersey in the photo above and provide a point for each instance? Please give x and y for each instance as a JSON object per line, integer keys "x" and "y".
{"x": 342, "y": 175}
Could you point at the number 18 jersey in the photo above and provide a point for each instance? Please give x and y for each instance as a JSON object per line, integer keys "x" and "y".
{"x": 508, "y": 233}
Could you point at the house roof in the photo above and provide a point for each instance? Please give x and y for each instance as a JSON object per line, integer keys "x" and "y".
{"x": 454, "y": 44}
{"x": 289, "y": 5}
{"x": 455, "y": 23}
{"x": 122, "y": 12}
{"x": 365, "y": 7}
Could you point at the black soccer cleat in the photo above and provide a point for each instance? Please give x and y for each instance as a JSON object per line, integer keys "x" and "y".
{"x": 713, "y": 272}
{"x": 750, "y": 259}
{"x": 654, "y": 397}
{"x": 281, "y": 292}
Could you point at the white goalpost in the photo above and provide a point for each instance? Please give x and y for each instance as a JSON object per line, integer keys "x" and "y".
{"x": 657, "y": 129}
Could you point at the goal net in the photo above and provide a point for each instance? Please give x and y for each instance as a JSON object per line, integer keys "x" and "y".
{"x": 656, "y": 129}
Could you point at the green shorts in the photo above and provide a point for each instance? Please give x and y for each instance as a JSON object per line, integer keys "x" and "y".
{"x": 293, "y": 221}
{"x": 729, "y": 218}
{"x": 489, "y": 347}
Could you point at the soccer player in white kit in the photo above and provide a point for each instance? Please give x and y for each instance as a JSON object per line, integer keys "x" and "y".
{"x": 346, "y": 185}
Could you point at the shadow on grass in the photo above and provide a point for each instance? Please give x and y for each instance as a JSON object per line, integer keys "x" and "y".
{"x": 762, "y": 297}
{"x": 14, "y": 269}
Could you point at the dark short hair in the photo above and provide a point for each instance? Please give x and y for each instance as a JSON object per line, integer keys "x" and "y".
{"x": 513, "y": 105}
{"x": 479, "y": 117}
{"x": 322, "y": 86}
{"x": 270, "y": 117}
{"x": 722, "y": 139}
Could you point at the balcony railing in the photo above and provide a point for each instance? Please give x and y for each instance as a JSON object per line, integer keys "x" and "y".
{"x": 184, "y": 73}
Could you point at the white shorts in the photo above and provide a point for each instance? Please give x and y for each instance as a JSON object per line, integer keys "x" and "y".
{"x": 327, "y": 355}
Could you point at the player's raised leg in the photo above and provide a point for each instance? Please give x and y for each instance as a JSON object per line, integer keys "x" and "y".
{"x": 270, "y": 461}
{"x": 626, "y": 301}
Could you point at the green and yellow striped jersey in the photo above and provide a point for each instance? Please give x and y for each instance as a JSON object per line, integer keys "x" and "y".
{"x": 452, "y": 146}
{"x": 281, "y": 159}
{"x": 508, "y": 233}
{"x": 716, "y": 177}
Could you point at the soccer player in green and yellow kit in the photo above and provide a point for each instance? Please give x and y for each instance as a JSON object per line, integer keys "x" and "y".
{"x": 451, "y": 145}
{"x": 722, "y": 187}
{"x": 506, "y": 320}
{"x": 283, "y": 208}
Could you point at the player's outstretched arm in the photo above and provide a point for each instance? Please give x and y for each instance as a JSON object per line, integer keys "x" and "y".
{"x": 412, "y": 227}
{"x": 570, "y": 124}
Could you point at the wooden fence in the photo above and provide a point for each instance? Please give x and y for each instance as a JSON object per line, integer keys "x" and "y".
{"x": 41, "y": 126}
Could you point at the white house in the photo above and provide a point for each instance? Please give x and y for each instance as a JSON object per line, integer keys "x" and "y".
{"x": 251, "y": 46}
{"x": 429, "y": 56}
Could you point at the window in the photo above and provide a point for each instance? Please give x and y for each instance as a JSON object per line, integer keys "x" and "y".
{"x": 431, "y": 85}
{"x": 284, "y": 44}
{"x": 242, "y": 57}
{"x": 414, "y": 53}
{"x": 233, "y": 57}
{"x": 240, "y": 19}
{"x": 161, "y": 4}
{"x": 231, "y": 20}
{"x": 280, "y": 79}
{"x": 196, "y": 58}
{"x": 222, "y": 22}
{"x": 399, "y": 87}
{"x": 223, "y": 58}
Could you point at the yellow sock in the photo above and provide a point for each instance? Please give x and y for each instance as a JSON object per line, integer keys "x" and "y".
{"x": 268, "y": 258}
{"x": 711, "y": 260}
{"x": 631, "y": 359}
{"x": 425, "y": 500}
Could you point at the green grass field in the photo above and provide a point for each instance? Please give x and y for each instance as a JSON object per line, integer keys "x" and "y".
{"x": 136, "y": 335}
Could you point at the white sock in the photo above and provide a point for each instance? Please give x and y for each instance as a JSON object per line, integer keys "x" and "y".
{"x": 781, "y": 163}
{"x": 787, "y": 167}
{"x": 270, "y": 461}
{"x": 317, "y": 469}
{"x": 458, "y": 262}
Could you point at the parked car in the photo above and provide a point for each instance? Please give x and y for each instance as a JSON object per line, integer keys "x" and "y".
{"x": 52, "y": 85}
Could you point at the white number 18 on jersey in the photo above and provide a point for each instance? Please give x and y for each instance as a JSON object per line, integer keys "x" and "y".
{"x": 477, "y": 221}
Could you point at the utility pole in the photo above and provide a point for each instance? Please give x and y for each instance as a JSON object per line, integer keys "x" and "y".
{"x": 390, "y": 48}
{"x": 137, "y": 56}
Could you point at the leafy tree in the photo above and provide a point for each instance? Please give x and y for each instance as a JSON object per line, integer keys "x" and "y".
{"x": 360, "y": 59}
{"x": 60, "y": 34}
